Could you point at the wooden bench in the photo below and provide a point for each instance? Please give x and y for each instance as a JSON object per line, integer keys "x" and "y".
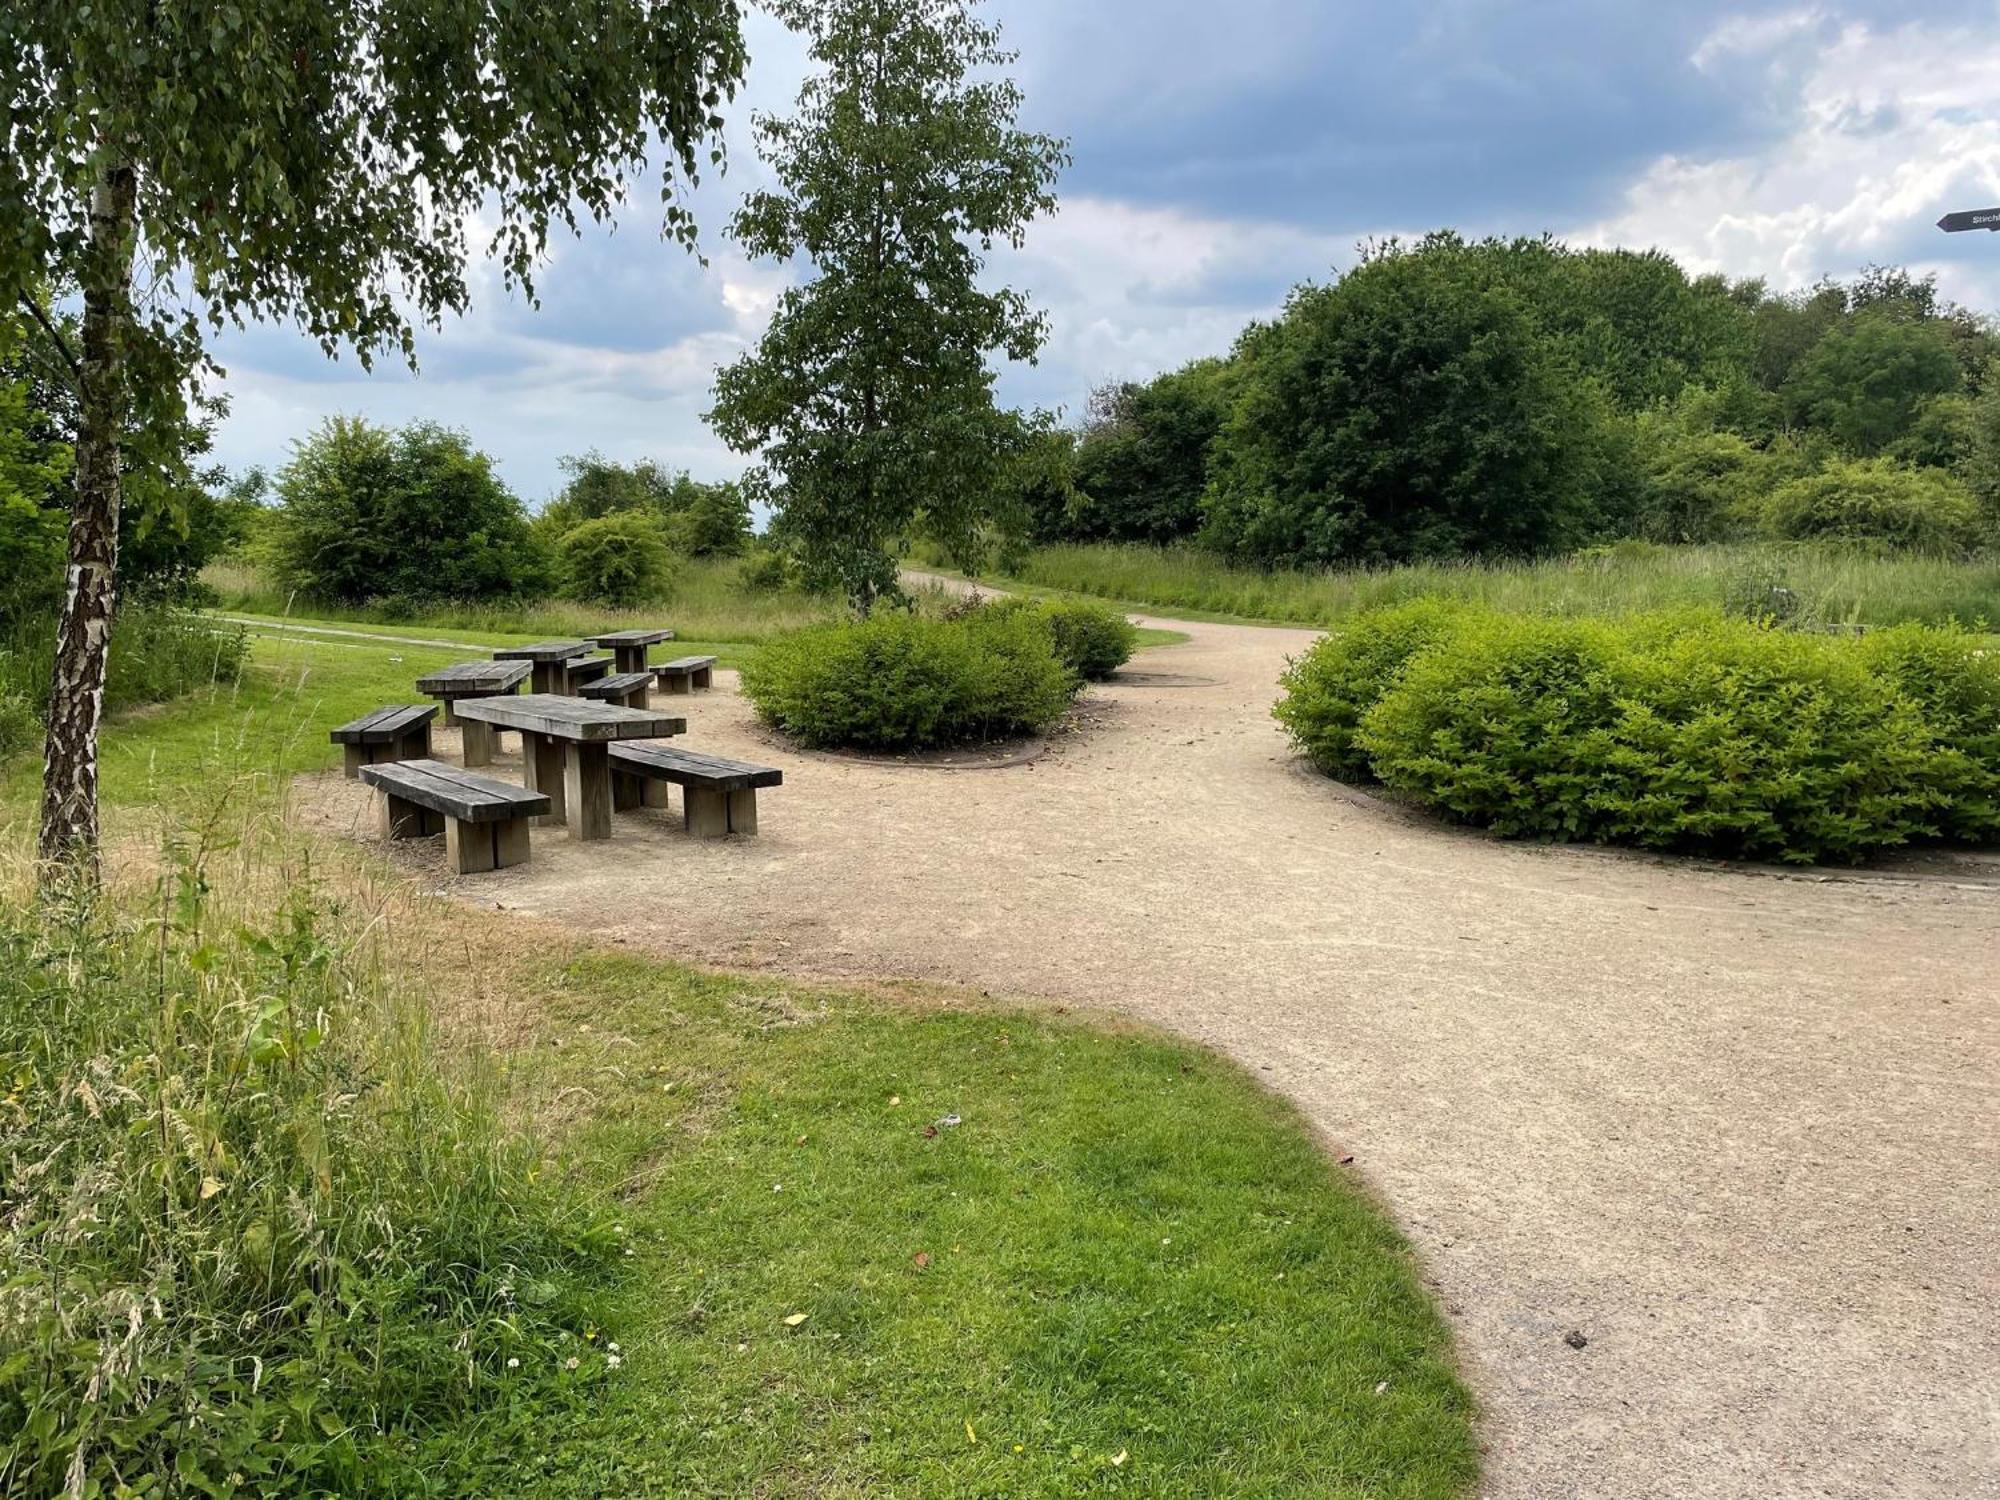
{"x": 583, "y": 669}
{"x": 402, "y": 732}
{"x": 484, "y": 822}
{"x": 629, "y": 688}
{"x": 685, "y": 673}
{"x": 717, "y": 796}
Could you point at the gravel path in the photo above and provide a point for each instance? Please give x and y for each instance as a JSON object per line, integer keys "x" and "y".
{"x": 1737, "y": 1130}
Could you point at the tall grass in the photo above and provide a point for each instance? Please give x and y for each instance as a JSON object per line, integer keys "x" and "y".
{"x": 1813, "y": 585}
{"x": 708, "y": 600}
{"x": 251, "y": 1237}
{"x": 158, "y": 652}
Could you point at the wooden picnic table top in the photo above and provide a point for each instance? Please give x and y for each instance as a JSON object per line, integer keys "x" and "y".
{"x": 633, "y": 638}
{"x": 541, "y": 651}
{"x": 475, "y": 677}
{"x": 580, "y": 719}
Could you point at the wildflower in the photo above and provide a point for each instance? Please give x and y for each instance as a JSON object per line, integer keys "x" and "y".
{"x": 570, "y": 1363}
{"x": 513, "y": 1364}
{"x": 613, "y": 1361}
{"x": 612, "y": 1347}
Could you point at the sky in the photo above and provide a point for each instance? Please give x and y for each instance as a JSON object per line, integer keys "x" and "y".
{"x": 1225, "y": 152}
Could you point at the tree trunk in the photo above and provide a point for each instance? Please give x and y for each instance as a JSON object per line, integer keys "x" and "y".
{"x": 83, "y": 636}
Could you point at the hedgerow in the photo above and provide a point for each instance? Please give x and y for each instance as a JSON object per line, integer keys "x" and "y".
{"x": 1683, "y": 731}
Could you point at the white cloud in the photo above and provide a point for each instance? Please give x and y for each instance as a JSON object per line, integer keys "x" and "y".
{"x": 1889, "y": 128}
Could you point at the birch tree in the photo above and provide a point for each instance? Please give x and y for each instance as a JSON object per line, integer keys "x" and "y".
{"x": 315, "y": 162}
{"x": 870, "y": 396}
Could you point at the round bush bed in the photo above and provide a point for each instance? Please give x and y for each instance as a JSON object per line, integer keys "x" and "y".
{"x": 1688, "y": 731}
{"x": 1093, "y": 640}
{"x": 906, "y": 682}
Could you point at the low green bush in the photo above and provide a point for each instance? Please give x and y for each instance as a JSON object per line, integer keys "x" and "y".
{"x": 253, "y": 1242}
{"x": 1684, "y": 731}
{"x": 1876, "y": 500}
{"x": 1093, "y": 640}
{"x": 902, "y": 681}
{"x": 619, "y": 559}
{"x": 1331, "y": 688}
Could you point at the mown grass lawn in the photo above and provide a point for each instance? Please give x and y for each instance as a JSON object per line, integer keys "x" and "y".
{"x": 1126, "y": 1269}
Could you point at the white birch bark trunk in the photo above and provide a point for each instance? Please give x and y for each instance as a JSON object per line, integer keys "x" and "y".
{"x": 68, "y": 845}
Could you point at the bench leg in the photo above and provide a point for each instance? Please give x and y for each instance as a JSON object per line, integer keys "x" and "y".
{"x": 639, "y": 697}
{"x": 403, "y": 819}
{"x": 510, "y": 843}
{"x": 587, "y": 790}
{"x": 478, "y": 742}
{"x": 468, "y": 847}
{"x": 743, "y": 811}
{"x": 678, "y": 683}
{"x": 703, "y": 676}
{"x": 707, "y": 812}
{"x": 542, "y": 771}
{"x": 627, "y": 791}
{"x": 657, "y": 793}
{"x": 416, "y": 745}
{"x": 352, "y": 759}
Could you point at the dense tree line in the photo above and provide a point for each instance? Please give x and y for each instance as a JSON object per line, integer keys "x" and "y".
{"x": 1454, "y": 397}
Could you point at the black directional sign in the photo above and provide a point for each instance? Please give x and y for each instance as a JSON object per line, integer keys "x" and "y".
{"x": 1972, "y": 218}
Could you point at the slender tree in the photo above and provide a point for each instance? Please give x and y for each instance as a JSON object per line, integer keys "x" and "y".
{"x": 313, "y": 161}
{"x": 871, "y": 394}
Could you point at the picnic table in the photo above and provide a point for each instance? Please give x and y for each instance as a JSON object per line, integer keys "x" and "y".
{"x": 473, "y": 679}
{"x": 549, "y": 658}
{"x": 629, "y": 646}
{"x": 566, "y": 749}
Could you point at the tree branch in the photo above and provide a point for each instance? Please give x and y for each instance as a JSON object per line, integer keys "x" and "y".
{"x": 55, "y": 339}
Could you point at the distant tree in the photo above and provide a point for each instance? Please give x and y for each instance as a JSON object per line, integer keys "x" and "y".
{"x": 312, "y": 161}
{"x": 619, "y": 558}
{"x": 1867, "y": 378}
{"x": 1142, "y": 457}
{"x": 710, "y": 520}
{"x": 1413, "y": 409}
{"x": 599, "y": 487}
{"x": 373, "y": 512}
{"x": 870, "y": 396}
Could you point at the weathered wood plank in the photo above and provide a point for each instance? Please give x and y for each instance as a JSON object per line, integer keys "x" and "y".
{"x": 447, "y": 789}
{"x": 542, "y": 651}
{"x": 587, "y": 790}
{"x": 475, "y": 676}
{"x": 566, "y": 718}
{"x": 692, "y": 768}
{"x": 385, "y": 725}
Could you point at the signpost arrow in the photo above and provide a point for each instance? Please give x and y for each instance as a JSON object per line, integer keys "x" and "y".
{"x": 1972, "y": 218}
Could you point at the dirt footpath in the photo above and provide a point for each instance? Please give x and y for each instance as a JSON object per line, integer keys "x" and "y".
{"x": 1736, "y": 1130}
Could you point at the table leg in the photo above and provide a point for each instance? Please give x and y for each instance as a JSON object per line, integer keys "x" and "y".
{"x": 587, "y": 789}
{"x": 542, "y": 771}
{"x": 551, "y": 677}
{"x": 478, "y": 742}
{"x": 629, "y": 658}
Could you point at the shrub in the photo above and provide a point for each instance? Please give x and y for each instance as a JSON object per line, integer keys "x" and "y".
{"x": 371, "y": 512}
{"x": 1877, "y": 500}
{"x": 262, "y": 1247}
{"x": 1331, "y": 688}
{"x": 905, "y": 682}
{"x": 1684, "y": 731}
{"x": 616, "y": 559}
{"x": 1093, "y": 640}
{"x": 1954, "y": 680}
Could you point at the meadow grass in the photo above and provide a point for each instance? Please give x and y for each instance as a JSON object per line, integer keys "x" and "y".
{"x": 1126, "y": 1268}
{"x": 707, "y": 602}
{"x": 1826, "y": 586}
